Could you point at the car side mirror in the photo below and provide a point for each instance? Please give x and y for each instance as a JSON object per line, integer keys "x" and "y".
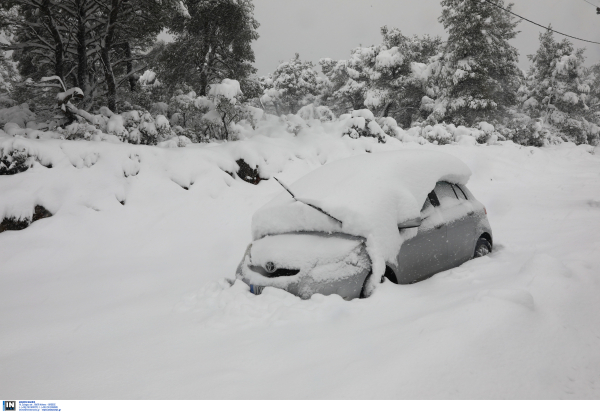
{"x": 416, "y": 222}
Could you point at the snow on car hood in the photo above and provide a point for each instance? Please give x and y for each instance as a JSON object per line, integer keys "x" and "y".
{"x": 371, "y": 194}
{"x": 301, "y": 250}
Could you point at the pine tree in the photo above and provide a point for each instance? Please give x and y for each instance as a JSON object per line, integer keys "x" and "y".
{"x": 477, "y": 75}
{"x": 557, "y": 89}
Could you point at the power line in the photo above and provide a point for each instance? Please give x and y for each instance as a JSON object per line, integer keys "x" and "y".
{"x": 537, "y": 24}
{"x": 595, "y": 5}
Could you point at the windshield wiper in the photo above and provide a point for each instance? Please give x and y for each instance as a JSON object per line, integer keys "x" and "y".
{"x": 306, "y": 203}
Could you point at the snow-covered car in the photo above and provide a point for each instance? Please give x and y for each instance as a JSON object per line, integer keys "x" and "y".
{"x": 403, "y": 215}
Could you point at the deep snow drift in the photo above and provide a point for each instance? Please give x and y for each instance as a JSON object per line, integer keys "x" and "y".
{"x": 111, "y": 300}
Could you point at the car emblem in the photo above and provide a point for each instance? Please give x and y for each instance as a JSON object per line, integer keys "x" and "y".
{"x": 270, "y": 267}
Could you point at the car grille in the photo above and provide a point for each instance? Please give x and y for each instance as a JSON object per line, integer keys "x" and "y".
{"x": 277, "y": 273}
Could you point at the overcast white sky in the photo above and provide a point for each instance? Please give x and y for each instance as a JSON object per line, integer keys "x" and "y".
{"x": 331, "y": 28}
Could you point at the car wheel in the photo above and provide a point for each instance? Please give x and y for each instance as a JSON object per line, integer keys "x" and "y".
{"x": 483, "y": 247}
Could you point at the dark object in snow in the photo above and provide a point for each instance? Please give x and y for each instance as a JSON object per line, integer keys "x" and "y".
{"x": 14, "y": 162}
{"x": 10, "y": 223}
{"x": 247, "y": 174}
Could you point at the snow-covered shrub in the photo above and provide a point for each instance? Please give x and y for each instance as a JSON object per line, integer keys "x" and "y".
{"x": 310, "y": 112}
{"x": 438, "y": 134}
{"x": 159, "y": 108}
{"x": 175, "y": 141}
{"x": 116, "y": 126}
{"x": 292, "y": 85}
{"x": 17, "y": 114}
{"x": 13, "y": 223}
{"x": 187, "y": 110}
{"x": 225, "y": 110}
{"x": 80, "y": 131}
{"x": 147, "y": 128}
{"x": 390, "y": 127}
{"x": 361, "y": 123}
{"x": 294, "y": 123}
{"x": 15, "y": 161}
{"x": 527, "y": 131}
{"x": 148, "y": 79}
{"x": 489, "y": 134}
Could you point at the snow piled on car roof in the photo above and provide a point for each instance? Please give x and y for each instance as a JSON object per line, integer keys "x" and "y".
{"x": 370, "y": 194}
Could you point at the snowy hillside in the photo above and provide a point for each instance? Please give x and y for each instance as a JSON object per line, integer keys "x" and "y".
{"x": 122, "y": 293}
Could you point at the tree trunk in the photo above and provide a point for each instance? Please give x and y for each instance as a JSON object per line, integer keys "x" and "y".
{"x": 131, "y": 79}
{"x": 277, "y": 110}
{"x": 110, "y": 81}
{"x": 82, "y": 60}
{"x": 386, "y": 109}
{"x": 105, "y": 54}
{"x": 58, "y": 48}
{"x": 208, "y": 61}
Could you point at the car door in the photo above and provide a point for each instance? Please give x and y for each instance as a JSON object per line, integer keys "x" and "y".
{"x": 457, "y": 213}
{"x": 425, "y": 254}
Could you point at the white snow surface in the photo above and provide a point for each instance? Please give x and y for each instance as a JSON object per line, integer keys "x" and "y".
{"x": 371, "y": 194}
{"x": 111, "y": 301}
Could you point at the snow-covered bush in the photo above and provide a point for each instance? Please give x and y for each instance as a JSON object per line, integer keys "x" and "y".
{"x": 225, "y": 110}
{"x": 20, "y": 115}
{"x": 148, "y": 79}
{"x": 361, "y": 123}
{"x": 390, "y": 127}
{"x": 159, "y": 108}
{"x": 438, "y": 134}
{"x": 14, "y": 161}
{"x": 294, "y": 123}
{"x": 292, "y": 85}
{"x": 80, "y": 131}
{"x": 310, "y": 112}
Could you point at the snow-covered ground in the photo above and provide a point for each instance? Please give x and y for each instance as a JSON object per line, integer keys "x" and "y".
{"x": 104, "y": 300}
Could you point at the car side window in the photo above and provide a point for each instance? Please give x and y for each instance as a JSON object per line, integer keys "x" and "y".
{"x": 433, "y": 199}
{"x": 427, "y": 209}
{"x": 429, "y": 206}
{"x": 446, "y": 195}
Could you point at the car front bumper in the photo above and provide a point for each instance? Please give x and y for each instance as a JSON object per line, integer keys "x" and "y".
{"x": 343, "y": 275}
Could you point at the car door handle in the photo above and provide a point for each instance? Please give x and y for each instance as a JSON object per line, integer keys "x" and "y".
{"x": 438, "y": 226}
{"x": 471, "y": 213}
